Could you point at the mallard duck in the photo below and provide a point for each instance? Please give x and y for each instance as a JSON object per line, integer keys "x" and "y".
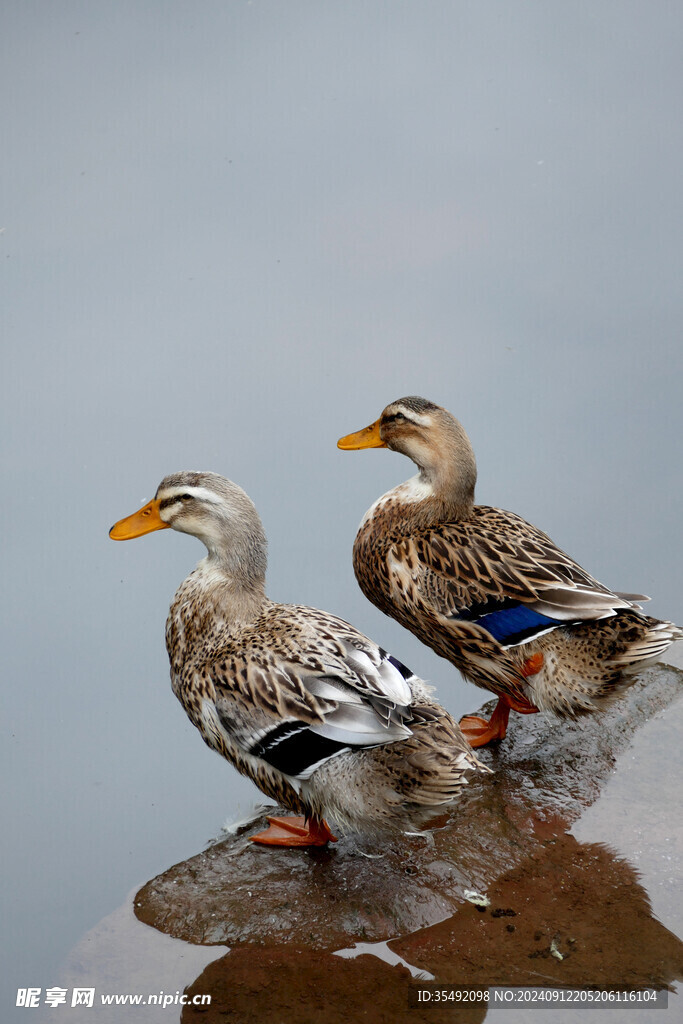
{"x": 323, "y": 720}
{"x": 487, "y": 590}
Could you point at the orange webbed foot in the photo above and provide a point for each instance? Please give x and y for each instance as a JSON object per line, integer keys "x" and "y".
{"x": 295, "y": 831}
{"x": 478, "y": 732}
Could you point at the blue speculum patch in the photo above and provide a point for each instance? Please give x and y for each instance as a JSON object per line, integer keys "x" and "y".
{"x": 513, "y": 623}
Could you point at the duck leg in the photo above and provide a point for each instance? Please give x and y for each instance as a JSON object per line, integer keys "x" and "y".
{"x": 296, "y": 831}
{"x": 478, "y": 732}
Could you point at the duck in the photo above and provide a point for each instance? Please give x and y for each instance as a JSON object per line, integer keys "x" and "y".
{"x": 488, "y": 591}
{"x": 322, "y": 719}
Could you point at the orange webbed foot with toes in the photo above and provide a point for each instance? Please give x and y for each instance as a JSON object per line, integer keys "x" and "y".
{"x": 478, "y": 732}
{"x": 295, "y": 831}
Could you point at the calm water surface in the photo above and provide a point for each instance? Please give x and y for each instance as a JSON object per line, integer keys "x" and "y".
{"x": 234, "y": 233}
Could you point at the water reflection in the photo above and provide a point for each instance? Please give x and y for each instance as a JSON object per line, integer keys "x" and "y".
{"x": 564, "y": 909}
{"x": 572, "y": 915}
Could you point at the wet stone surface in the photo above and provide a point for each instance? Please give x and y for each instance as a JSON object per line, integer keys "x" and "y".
{"x": 546, "y": 773}
{"x": 571, "y": 912}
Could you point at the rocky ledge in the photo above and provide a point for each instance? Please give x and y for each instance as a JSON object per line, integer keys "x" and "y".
{"x": 545, "y": 774}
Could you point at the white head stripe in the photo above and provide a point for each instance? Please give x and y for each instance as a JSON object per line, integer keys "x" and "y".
{"x": 424, "y": 419}
{"x": 200, "y": 493}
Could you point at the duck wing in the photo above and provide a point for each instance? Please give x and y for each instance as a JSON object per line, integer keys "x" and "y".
{"x": 305, "y": 686}
{"x": 502, "y": 573}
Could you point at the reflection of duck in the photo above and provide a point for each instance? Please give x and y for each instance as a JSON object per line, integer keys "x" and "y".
{"x": 573, "y": 915}
{"x": 318, "y": 716}
{"x": 486, "y": 589}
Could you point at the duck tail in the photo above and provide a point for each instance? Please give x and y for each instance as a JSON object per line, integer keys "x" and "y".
{"x": 653, "y": 641}
{"x": 587, "y": 665}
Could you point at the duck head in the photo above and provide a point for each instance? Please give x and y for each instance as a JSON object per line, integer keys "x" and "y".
{"x": 211, "y": 508}
{"x": 432, "y": 438}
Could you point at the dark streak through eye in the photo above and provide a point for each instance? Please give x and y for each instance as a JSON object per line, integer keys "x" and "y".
{"x": 176, "y": 497}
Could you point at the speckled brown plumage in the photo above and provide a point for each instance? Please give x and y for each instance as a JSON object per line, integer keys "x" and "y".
{"x": 483, "y": 587}
{"x": 317, "y": 715}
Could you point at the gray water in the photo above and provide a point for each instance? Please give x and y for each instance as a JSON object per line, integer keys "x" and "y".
{"x": 231, "y": 233}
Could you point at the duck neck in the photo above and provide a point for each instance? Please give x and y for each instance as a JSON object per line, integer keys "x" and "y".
{"x": 208, "y": 604}
{"x": 240, "y": 559}
{"x": 227, "y": 587}
{"x": 447, "y": 490}
{"x": 446, "y": 484}
{"x": 236, "y": 586}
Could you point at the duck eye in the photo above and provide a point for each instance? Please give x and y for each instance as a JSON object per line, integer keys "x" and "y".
{"x": 184, "y": 497}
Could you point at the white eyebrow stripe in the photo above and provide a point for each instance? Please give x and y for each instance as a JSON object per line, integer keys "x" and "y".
{"x": 422, "y": 419}
{"x": 417, "y": 417}
{"x": 201, "y": 493}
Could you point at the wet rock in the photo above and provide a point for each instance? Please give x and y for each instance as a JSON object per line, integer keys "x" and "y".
{"x": 572, "y": 915}
{"x": 546, "y": 773}
{"x": 238, "y": 892}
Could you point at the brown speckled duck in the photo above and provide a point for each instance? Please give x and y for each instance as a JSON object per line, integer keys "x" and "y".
{"x": 317, "y": 715}
{"x": 487, "y": 590}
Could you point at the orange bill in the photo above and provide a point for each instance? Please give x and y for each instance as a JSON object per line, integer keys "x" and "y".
{"x": 145, "y": 520}
{"x": 368, "y": 437}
